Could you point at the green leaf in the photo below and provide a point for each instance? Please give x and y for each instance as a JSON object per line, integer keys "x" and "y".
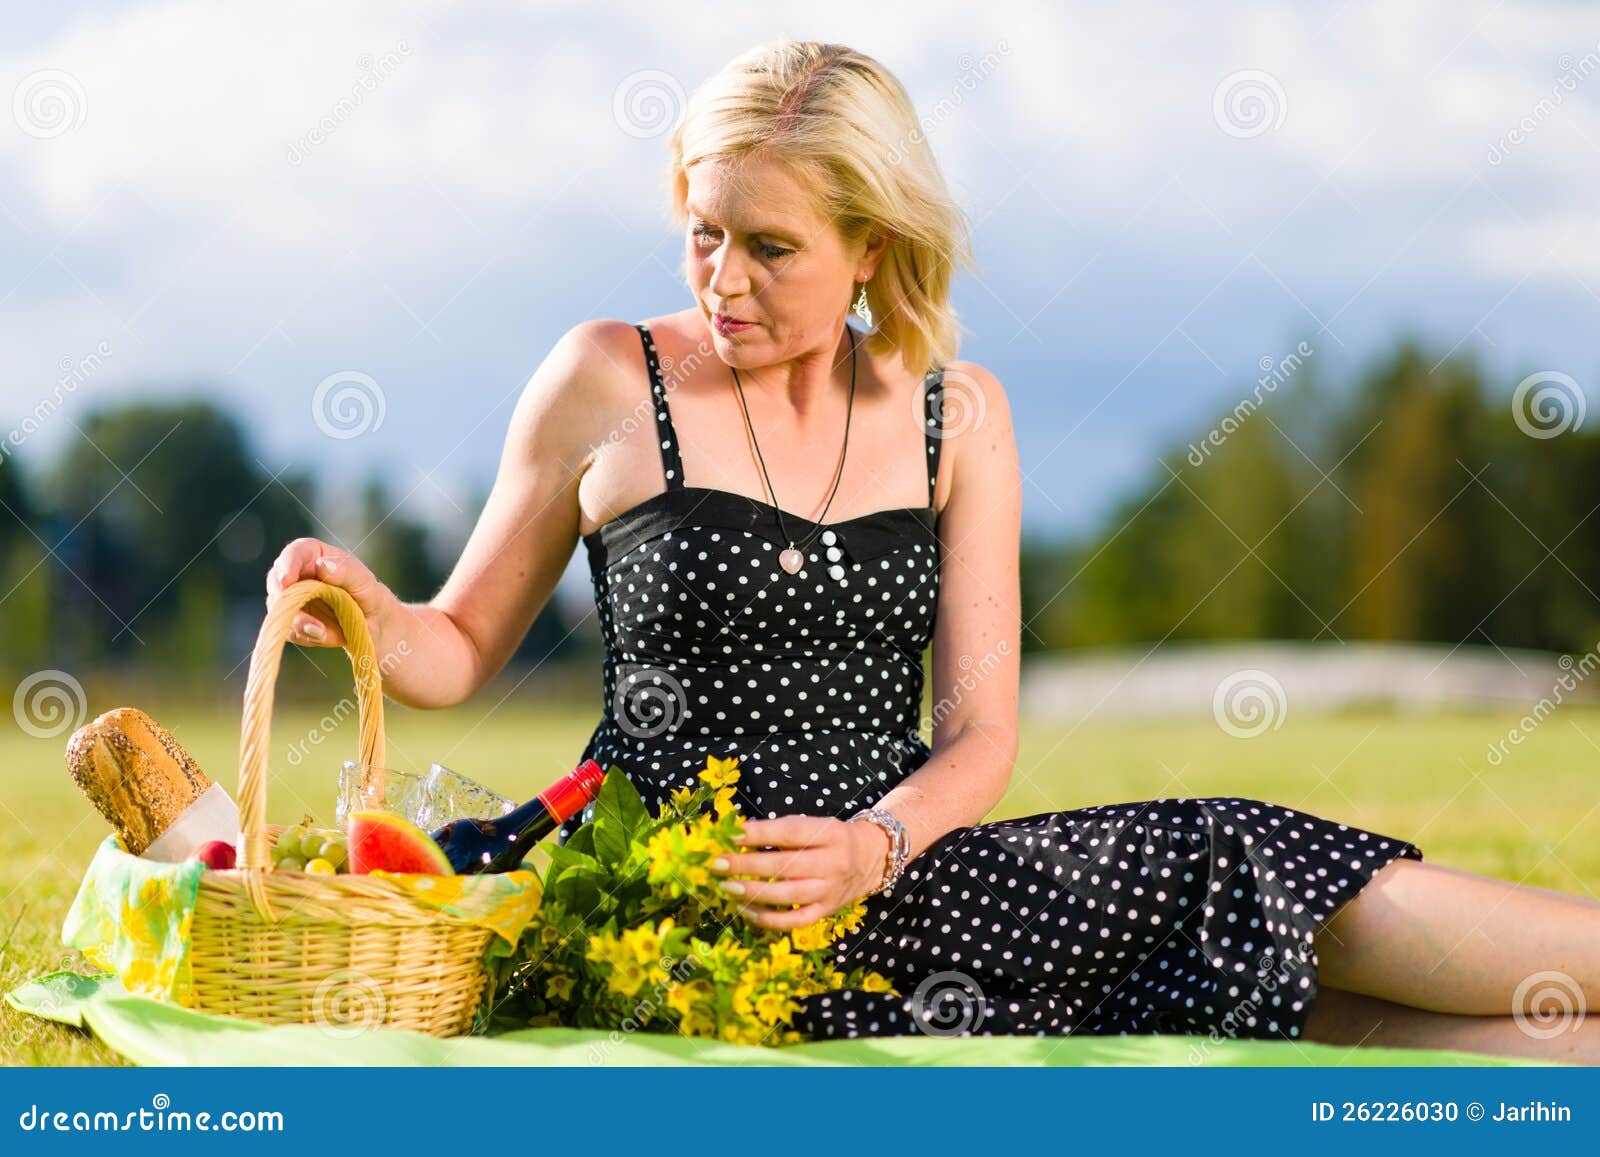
{"x": 582, "y": 839}
{"x": 586, "y": 890}
{"x": 629, "y": 803}
{"x": 563, "y": 860}
{"x": 619, "y": 816}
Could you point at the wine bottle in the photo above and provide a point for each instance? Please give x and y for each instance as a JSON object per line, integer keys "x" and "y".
{"x": 498, "y": 845}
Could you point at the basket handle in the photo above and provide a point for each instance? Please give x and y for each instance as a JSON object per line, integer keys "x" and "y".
{"x": 256, "y": 729}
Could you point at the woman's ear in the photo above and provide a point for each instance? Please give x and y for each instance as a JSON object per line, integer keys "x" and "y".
{"x": 877, "y": 245}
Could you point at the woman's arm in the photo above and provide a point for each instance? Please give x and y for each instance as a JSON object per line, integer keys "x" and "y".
{"x": 976, "y": 643}
{"x": 438, "y": 653}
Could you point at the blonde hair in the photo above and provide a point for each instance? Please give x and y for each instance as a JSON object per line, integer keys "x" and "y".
{"x": 847, "y": 129}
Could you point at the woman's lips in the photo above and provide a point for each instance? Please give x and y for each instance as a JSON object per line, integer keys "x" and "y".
{"x": 727, "y": 325}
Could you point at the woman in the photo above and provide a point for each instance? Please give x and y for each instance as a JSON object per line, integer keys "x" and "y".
{"x": 774, "y": 546}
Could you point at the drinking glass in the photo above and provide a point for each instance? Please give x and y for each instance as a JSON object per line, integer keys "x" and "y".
{"x": 429, "y": 800}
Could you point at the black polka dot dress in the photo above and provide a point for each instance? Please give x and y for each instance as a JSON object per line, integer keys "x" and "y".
{"x": 1171, "y": 915}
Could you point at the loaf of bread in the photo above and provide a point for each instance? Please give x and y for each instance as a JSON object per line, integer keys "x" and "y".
{"x": 137, "y": 775}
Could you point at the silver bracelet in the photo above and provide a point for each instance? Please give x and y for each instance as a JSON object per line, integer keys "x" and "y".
{"x": 899, "y": 844}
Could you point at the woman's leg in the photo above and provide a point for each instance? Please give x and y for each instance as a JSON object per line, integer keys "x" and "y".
{"x": 1449, "y": 941}
{"x": 1348, "y": 1018}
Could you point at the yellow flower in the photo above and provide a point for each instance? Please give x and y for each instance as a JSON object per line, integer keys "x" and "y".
{"x": 724, "y": 979}
{"x": 725, "y": 961}
{"x": 626, "y": 978}
{"x": 681, "y": 998}
{"x": 812, "y": 936}
{"x": 603, "y": 948}
{"x": 699, "y": 1023}
{"x": 781, "y": 953}
{"x": 720, "y": 773}
{"x": 679, "y": 854}
{"x": 643, "y": 944}
{"x": 774, "y": 1006}
{"x": 848, "y": 919}
{"x": 755, "y": 1033}
{"x": 876, "y": 982}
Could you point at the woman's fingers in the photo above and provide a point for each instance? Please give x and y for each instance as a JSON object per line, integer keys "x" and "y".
{"x": 311, "y": 629}
{"x": 295, "y": 561}
{"x": 789, "y": 831}
{"x": 315, "y": 625}
{"x": 343, "y": 569}
{"x": 803, "y": 891}
{"x": 781, "y": 919}
{"x": 805, "y": 862}
{"x": 804, "y": 866}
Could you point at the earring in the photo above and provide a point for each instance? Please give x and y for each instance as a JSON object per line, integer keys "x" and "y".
{"x": 862, "y": 309}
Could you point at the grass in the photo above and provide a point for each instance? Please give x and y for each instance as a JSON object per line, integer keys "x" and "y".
{"x": 1534, "y": 819}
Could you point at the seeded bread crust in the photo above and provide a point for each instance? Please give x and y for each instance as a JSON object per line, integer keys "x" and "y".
{"x": 135, "y": 773}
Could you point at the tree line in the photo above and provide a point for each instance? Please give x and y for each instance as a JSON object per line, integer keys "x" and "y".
{"x": 146, "y": 543}
{"x": 1418, "y": 502}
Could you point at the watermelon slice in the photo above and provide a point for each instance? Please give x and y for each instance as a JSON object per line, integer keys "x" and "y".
{"x": 384, "y": 840}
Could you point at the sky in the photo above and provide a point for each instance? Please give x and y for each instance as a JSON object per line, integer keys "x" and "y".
{"x": 362, "y": 226}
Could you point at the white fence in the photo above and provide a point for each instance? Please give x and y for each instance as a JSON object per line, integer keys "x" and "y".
{"x": 1188, "y": 678}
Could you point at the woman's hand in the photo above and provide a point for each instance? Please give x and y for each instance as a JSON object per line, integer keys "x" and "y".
{"x": 821, "y": 863}
{"x": 315, "y": 625}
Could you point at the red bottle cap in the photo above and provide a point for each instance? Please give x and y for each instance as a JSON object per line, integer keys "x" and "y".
{"x": 566, "y": 797}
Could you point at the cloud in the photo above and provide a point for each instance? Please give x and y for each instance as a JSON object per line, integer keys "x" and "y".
{"x": 261, "y": 196}
{"x": 298, "y": 125}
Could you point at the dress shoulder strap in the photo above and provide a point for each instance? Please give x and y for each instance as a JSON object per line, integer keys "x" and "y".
{"x": 933, "y": 407}
{"x": 671, "y": 459}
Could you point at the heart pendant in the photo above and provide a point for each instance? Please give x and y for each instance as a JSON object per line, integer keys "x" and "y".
{"x": 790, "y": 560}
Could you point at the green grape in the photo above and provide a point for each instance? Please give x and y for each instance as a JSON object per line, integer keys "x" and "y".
{"x": 289, "y": 843}
{"x": 291, "y": 864}
{"x": 333, "y": 850}
{"x": 320, "y": 867}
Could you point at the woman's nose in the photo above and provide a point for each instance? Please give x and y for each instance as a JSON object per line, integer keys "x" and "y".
{"x": 729, "y": 279}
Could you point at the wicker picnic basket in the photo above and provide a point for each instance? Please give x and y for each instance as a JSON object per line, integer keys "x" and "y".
{"x": 338, "y": 951}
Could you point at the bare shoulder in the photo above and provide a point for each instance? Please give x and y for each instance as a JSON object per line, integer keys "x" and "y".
{"x": 976, "y": 416}
{"x": 970, "y": 385}
{"x": 595, "y": 357}
{"x": 574, "y": 395}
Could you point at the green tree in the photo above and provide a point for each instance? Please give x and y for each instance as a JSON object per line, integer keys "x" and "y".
{"x": 25, "y": 606}
{"x": 153, "y": 490}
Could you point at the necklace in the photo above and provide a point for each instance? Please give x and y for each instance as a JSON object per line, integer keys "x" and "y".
{"x": 792, "y": 558}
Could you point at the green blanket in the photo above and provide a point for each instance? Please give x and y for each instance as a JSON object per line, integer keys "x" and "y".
{"x": 152, "y": 1032}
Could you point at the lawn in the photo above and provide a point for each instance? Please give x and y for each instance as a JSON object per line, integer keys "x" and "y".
{"x": 1533, "y": 819}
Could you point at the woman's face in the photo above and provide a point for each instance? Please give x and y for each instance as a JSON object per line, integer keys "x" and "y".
{"x": 756, "y": 252}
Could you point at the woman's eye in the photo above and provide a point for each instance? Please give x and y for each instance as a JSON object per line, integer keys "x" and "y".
{"x": 710, "y": 235}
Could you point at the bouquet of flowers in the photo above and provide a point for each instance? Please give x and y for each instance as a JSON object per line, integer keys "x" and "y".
{"x": 634, "y": 933}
